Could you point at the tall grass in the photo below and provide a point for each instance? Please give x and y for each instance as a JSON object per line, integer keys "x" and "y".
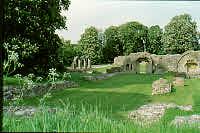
{"x": 84, "y": 120}
{"x": 99, "y": 106}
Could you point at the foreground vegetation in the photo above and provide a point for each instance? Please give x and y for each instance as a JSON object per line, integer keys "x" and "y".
{"x": 104, "y": 106}
{"x": 91, "y": 120}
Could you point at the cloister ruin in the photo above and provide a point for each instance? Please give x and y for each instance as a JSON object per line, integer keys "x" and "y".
{"x": 81, "y": 63}
{"x": 188, "y": 63}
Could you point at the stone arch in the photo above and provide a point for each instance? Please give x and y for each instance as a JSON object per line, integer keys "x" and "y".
{"x": 127, "y": 64}
{"x": 185, "y": 62}
{"x": 144, "y": 57}
{"x": 190, "y": 66}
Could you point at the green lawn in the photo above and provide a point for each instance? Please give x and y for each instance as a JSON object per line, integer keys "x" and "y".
{"x": 102, "y": 69}
{"x": 122, "y": 93}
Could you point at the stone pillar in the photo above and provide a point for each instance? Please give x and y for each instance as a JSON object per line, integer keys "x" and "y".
{"x": 84, "y": 64}
{"x": 129, "y": 67}
{"x": 89, "y": 63}
{"x": 79, "y": 64}
{"x": 73, "y": 65}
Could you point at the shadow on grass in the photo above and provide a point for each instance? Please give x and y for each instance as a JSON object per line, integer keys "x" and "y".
{"x": 107, "y": 102}
{"x": 121, "y": 80}
{"x": 173, "y": 90}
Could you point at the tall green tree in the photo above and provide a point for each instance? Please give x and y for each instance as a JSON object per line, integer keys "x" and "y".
{"x": 112, "y": 45}
{"x": 66, "y": 52}
{"x": 78, "y": 49}
{"x": 180, "y": 35}
{"x": 34, "y": 22}
{"x": 133, "y": 36}
{"x": 199, "y": 38}
{"x": 91, "y": 44}
{"x": 154, "y": 36}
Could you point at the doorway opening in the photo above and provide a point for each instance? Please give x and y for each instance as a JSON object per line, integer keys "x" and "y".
{"x": 191, "y": 66}
{"x": 143, "y": 65}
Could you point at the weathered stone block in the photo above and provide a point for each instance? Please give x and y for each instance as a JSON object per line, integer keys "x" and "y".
{"x": 192, "y": 120}
{"x": 149, "y": 113}
{"x": 38, "y": 89}
{"x": 161, "y": 86}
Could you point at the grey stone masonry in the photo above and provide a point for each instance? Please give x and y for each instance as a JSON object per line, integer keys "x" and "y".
{"x": 81, "y": 63}
{"x": 188, "y": 63}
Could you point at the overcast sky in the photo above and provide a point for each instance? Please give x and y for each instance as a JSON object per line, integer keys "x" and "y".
{"x": 104, "y": 13}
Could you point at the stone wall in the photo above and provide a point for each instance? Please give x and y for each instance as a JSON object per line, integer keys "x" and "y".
{"x": 161, "y": 86}
{"x": 10, "y": 91}
{"x": 166, "y": 62}
{"x": 188, "y": 63}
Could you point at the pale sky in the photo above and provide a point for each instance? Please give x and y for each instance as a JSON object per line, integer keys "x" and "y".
{"x": 104, "y": 13}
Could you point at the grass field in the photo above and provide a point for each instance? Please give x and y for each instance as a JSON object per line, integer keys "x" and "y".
{"x": 111, "y": 99}
{"x": 102, "y": 69}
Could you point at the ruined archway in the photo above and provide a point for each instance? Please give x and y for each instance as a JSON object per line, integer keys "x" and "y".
{"x": 144, "y": 65}
{"x": 188, "y": 64}
{"x": 191, "y": 66}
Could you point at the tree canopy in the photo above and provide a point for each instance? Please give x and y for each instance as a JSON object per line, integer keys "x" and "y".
{"x": 112, "y": 45}
{"x": 133, "y": 36}
{"x": 154, "y": 36}
{"x": 33, "y": 23}
{"x": 91, "y": 44}
{"x": 180, "y": 35}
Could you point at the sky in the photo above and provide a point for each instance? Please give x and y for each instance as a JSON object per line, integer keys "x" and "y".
{"x": 104, "y": 13}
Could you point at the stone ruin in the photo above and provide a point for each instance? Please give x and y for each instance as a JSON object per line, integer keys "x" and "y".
{"x": 161, "y": 86}
{"x": 188, "y": 63}
{"x": 152, "y": 112}
{"x": 191, "y": 120}
{"x": 81, "y": 63}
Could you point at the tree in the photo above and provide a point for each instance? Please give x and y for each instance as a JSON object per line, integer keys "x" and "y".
{"x": 133, "y": 36}
{"x": 112, "y": 46}
{"x": 198, "y": 39}
{"x": 34, "y": 22}
{"x": 78, "y": 49}
{"x": 66, "y": 53}
{"x": 180, "y": 35}
{"x": 154, "y": 40}
{"x": 91, "y": 45}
